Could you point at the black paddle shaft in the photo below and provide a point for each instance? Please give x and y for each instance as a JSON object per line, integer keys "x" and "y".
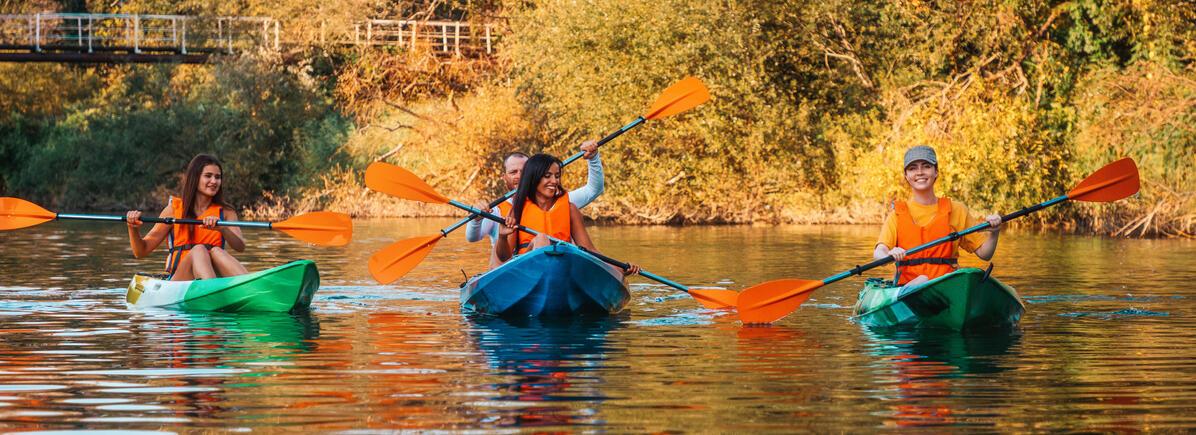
{"x": 162, "y": 220}
{"x": 620, "y": 264}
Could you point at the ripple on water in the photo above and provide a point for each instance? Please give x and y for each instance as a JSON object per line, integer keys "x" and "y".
{"x": 382, "y": 293}
{"x": 136, "y": 420}
{"x": 680, "y": 319}
{"x": 72, "y": 352}
{"x": 1046, "y": 299}
{"x": 29, "y": 387}
{"x": 170, "y": 373}
{"x": 95, "y": 400}
{"x": 158, "y": 390}
{"x": 131, "y": 407}
{"x": 89, "y": 332}
{"x": 97, "y": 432}
{"x": 1111, "y": 315}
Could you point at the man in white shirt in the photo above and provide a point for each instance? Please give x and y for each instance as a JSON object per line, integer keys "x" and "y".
{"x": 513, "y": 169}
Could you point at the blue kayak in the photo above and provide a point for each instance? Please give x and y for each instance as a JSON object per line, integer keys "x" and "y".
{"x": 560, "y": 280}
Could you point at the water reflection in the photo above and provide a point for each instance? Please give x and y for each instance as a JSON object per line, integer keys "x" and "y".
{"x": 768, "y": 350}
{"x": 919, "y": 369}
{"x": 199, "y": 350}
{"x": 225, "y": 337}
{"x": 1102, "y": 356}
{"x": 545, "y": 362}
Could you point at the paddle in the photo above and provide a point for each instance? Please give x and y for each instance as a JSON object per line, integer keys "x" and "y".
{"x": 770, "y": 301}
{"x": 681, "y": 96}
{"x": 321, "y": 227}
{"x": 396, "y": 260}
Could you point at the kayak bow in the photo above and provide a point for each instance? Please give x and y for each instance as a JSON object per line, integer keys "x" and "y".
{"x": 965, "y": 299}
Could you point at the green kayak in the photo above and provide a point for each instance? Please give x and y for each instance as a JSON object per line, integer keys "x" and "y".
{"x": 965, "y": 299}
{"x": 286, "y": 288}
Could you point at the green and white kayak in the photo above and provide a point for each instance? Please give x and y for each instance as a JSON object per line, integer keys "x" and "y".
{"x": 962, "y": 300}
{"x": 286, "y": 288}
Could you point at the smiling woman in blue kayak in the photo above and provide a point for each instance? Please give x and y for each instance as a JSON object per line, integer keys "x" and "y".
{"x": 925, "y": 217}
{"x": 540, "y": 203}
{"x": 196, "y": 251}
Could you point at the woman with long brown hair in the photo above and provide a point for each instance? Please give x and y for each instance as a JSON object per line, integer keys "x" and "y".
{"x": 196, "y": 251}
{"x": 540, "y": 203}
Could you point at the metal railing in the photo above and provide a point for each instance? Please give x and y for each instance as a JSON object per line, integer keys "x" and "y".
{"x": 180, "y": 34}
{"x": 91, "y": 33}
{"x": 440, "y": 36}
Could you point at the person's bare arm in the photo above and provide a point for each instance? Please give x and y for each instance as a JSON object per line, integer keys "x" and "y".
{"x": 143, "y": 246}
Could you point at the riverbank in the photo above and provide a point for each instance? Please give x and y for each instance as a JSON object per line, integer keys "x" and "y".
{"x": 812, "y": 107}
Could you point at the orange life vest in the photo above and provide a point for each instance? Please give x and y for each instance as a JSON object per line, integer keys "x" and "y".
{"x": 933, "y": 262}
{"x": 182, "y": 238}
{"x": 554, "y": 222}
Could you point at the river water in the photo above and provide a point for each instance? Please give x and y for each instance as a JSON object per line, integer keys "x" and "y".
{"x": 1108, "y": 342}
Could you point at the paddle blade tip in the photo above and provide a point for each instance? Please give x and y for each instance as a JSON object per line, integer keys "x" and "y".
{"x": 770, "y": 301}
{"x": 377, "y": 173}
{"x": 397, "y": 259}
{"x": 395, "y": 181}
{"x": 715, "y": 299}
{"x": 686, "y": 94}
{"x": 16, "y": 213}
{"x": 323, "y": 228}
{"x": 1114, "y": 181}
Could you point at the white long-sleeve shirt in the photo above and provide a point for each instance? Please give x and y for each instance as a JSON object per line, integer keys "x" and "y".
{"x": 581, "y": 197}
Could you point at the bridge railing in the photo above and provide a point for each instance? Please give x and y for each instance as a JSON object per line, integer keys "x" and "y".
{"x": 89, "y": 33}
{"x": 136, "y": 33}
{"x": 440, "y": 36}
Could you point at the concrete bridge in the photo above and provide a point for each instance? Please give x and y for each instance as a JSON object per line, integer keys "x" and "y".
{"x": 114, "y": 38}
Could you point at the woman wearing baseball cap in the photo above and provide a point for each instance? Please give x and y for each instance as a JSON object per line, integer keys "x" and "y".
{"x": 925, "y": 217}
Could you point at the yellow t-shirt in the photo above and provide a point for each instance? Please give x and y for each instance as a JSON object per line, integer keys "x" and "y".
{"x": 922, "y": 214}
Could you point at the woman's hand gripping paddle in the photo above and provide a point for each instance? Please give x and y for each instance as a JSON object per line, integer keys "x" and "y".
{"x": 770, "y": 301}
{"x": 396, "y": 260}
{"x": 320, "y": 227}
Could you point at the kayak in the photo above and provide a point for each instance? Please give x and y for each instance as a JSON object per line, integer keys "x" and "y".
{"x": 286, "y": 288}
{"x": 559, "y": 280}
{"x": 968, "y": 298}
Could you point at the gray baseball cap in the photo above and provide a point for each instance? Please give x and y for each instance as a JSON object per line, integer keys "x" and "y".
{"x": 921, "y": 152}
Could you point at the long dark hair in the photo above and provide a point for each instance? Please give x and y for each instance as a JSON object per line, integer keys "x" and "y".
{"x": 534, "y": 170}
{"x": 191, "y": 184}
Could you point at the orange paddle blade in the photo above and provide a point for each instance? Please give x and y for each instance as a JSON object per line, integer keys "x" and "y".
{"x": 320, "y": 227}
{"x": 395, "y": 260}
{"x": 767, "y": 302}
{"x": 16, "y": 213}
{"x": 715, "y": 299}
{"x": 681, "y": 96}
{"x": 1115, "y": 181}
{"x": 395, "y": 181}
